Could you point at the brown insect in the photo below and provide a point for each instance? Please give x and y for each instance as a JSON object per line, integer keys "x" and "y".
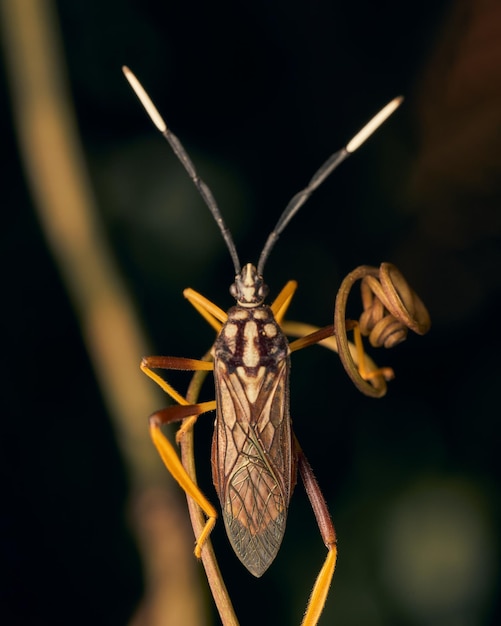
{"x": 255, "y": 454}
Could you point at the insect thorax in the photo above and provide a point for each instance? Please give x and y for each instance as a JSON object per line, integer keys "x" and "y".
{"x": 251, "y": 339}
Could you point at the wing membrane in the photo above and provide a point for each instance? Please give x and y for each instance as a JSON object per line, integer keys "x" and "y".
{"x": 253, "y": 467}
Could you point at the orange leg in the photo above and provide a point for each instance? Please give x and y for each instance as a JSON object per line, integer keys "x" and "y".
{"x": 282, "y": 301}
{"x": 207, "y": 309}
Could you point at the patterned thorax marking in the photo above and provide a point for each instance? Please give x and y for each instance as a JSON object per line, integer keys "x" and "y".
{"x": 251, "y": 339}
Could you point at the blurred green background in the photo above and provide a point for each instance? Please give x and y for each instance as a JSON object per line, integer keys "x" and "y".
{"x": 260, "y": 94}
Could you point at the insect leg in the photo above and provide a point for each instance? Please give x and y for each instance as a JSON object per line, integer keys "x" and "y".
{"x": 309, "y": 335}
{"x": 207, "y": 309}
{"x": 313, "y": 337}
{"x": 171, "y": 363}
{"x": 175, "y": 467}
{"x": 366, "y": 372}
{"x": 282, "y": 301}
{"x": 176, "y": 363}
{"x": 320, "y": 590}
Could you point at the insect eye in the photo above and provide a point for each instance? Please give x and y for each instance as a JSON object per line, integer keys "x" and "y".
{"x": 263, "y": 291}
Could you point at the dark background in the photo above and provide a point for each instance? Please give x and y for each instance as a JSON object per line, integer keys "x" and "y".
{"x": 260, "y": 94}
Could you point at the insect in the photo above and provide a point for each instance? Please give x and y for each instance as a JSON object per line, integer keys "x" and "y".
{"x": 255, "y": 454}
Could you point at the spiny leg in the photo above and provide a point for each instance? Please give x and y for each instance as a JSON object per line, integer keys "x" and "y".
{"x": 320, "y": 590}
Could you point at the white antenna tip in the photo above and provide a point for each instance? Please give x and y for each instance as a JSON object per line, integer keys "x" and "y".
{"x": 374, "y": 124}
{"x": 145, "y": 99}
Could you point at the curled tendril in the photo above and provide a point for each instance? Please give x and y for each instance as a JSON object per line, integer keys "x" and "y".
{"x": 391, "y": 307}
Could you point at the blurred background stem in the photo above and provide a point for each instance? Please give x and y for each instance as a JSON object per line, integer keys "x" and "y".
{"x": 56, "y": 170}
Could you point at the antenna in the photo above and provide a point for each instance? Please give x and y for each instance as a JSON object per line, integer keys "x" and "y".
{"x": 322, "y": 173}
{"x": 294, "y": 204}
{"x": 182, "y": 155}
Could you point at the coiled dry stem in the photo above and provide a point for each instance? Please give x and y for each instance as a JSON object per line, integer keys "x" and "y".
{"x": 391, "y": 307}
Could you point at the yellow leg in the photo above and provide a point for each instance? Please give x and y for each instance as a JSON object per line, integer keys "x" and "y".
{"x": 207, "y": 309}
{"x": 320, "y": 590}
{"x": 366, "y": 372}
{"x": 177, "y": 471}
{"x": 282, "y": 301}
